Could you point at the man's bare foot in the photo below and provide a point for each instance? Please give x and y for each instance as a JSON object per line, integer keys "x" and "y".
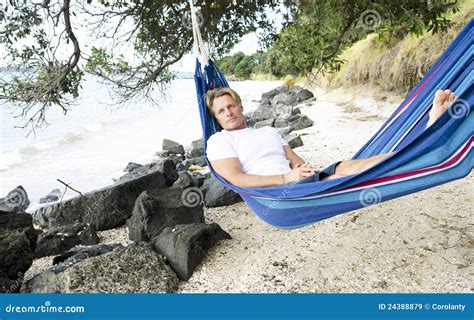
{"x": 441, "y": 103}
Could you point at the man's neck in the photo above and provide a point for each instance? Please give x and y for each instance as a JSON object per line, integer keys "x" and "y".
{"x": 243, "y": 126}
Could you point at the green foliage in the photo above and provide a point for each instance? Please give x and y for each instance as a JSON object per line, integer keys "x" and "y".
{"x": 99, "y": 59}
{"x": 139, "y": 42}
{"x": 145, "y": 38}
{"x": 245, "y": 67}
{"x": 320, "y": 30}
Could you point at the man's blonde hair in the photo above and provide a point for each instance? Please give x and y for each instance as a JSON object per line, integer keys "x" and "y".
{"x": 219, "y": 92}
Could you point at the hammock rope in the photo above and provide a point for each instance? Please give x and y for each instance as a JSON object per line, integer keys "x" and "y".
{"x": 424, "y": 157}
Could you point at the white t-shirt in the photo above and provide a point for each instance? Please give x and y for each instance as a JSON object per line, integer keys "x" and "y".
{"x": 260, "y": 151}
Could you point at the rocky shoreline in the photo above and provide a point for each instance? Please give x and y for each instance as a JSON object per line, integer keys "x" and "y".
{"x": 161, "y": 205}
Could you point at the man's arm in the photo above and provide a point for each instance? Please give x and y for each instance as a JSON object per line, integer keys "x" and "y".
{"x": 230, "y": 170}
{"x": 293, "y": 157}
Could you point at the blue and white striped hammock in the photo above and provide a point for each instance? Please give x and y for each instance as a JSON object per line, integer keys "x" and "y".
{"x": 424, "y": 158}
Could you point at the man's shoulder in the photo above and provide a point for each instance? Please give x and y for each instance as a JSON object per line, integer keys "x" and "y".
{"x": 218, "y": 138}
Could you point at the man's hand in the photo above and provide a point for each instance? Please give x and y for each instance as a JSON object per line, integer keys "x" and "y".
{"x": 300, "y": 172}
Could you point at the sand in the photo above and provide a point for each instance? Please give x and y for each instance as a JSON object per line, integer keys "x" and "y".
{"x": 419, "y": 243}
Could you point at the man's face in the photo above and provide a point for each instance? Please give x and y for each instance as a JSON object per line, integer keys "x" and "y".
{"x": 229, "y": 113}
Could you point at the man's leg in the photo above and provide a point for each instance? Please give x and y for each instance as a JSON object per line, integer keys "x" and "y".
{"x": 441, "y": 103}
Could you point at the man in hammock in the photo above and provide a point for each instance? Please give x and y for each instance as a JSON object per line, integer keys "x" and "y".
{"x": 251, "y": 158}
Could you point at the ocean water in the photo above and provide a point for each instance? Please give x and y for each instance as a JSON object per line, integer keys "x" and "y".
{"x": 95, "y": 140}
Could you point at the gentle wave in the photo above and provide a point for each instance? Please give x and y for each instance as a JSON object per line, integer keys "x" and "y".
{"x": 21, "y": 154}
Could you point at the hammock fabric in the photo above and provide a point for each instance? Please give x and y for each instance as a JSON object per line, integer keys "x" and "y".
{"x": 424, "y": 158}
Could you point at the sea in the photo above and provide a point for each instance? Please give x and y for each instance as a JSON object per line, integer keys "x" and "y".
{"x": 95, "y": 140}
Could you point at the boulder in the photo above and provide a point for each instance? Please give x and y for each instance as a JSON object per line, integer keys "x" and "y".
{"x": 301, "y": 123}
{"x": 167, "y": 166}
{"x": 199, "y": 161}
{"x": 57, "y": 240}
{"x": 199, "y": 178}
{"x": 293, "y": 117}
{"x": 294, "y": 141}
{"x": 280, "y": 123}
{"x": 53, "y": 196}
{"x": 155, "y": 211}
{"x": 264, "y": 123}
{"x": 197, "y": 149}
{"x": 172, "y": 146}
{"x": 15, "y": 201}
{"x": 295, "y": 111}
{"x": 186, "y": 245}
{"x": 17, "y": 246}
{"x": 182, "y": 166}
{"x": 268, "y": 96}
{"x": 284, "y": 131}
{"x": 185, "y": 180}
{"x": 11, "y": 286}
{"x": 250, "y": 121}
{"x": 304, "y": 94}
{"x": 167, "y": 154}
{"x": 103, "y": 209}
{"x": 273, "y": 111}
{"x": 79, "y": 253}
{"x": 133, "y": 269}
{"x": 132, "y": 166}
{"x": 263, "y": 112}
{"x": 216, "y": 195}
{"x": 287, "y": 98}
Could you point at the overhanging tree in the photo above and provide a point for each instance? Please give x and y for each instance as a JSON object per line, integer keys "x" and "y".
{"x": 136, "y": 42}
{"x": 134, "y": 45}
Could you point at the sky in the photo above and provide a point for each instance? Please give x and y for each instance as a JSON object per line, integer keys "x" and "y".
{"x": 248, "y": 45}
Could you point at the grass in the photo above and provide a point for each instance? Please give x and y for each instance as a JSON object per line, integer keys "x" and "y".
{"x": 399, "y": 66}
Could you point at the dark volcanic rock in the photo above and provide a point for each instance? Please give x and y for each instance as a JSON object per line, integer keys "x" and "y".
{"x": 284, "y": 131}
{"x": 216, "y": 195}
{"x": 185, "y": 180}
{"x": 104, "y": 209}
{"x": 304, "y": 94}
{"x": 132, "y": 166}
{"x": 166, "y": 166}
{"x": 301, "y": 123}
{"x": 199, "y": 161}
{"x": 57, "y": 240}
{"x": 53, "y": 196}
{"x": 80, "y": 253}
{"x": 155, "y": 211}
{"x": 264, "y": 123}
{"x": 294, "y": 141}
{"x": 136, "y": 268}
{"x": 15, "y": 201}
{"x": 197, "y": 149}
{"x": 17, "y": 246}
{"x": 172, "y": 146}
{"x": 186, "y": 245}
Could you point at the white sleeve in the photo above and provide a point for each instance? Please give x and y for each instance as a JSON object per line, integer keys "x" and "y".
{"x": 275, "y": 132}
{"x": 218, "y": 147}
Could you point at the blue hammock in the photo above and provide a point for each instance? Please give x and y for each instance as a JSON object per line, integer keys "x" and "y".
{"x": 424, "y": 158}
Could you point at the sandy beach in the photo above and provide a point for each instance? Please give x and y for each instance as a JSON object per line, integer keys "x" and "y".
{"x": 418, "y": 243}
